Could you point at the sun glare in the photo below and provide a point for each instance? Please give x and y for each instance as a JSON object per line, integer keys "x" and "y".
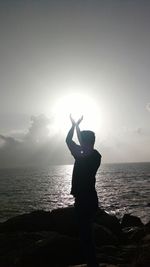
{"x": 76, "y": 105}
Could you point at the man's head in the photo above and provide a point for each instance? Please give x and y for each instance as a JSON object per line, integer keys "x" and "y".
{"x": 88, "y": 138}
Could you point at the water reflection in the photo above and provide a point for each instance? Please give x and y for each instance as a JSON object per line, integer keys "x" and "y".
{"x": 121, "y": 188}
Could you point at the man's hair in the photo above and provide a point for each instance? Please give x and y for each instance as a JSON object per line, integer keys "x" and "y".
{"x": 88, "y": 137}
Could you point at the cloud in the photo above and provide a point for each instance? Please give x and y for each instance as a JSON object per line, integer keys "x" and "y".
{"x": 143, "y": 132}
{"x": 39, "y": 146}
{"x": 148, "y": 106}
{"x": 34, "y": 147}
{"x": 38, "y": 130}
{"x": 134, "y": 132}
{"x": 8, "y": 140}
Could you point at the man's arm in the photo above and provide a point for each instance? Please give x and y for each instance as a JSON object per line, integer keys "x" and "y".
{"x": 70, "y": 136}
{"x": 73, "y": 147}
{"x": 78, "y": 130}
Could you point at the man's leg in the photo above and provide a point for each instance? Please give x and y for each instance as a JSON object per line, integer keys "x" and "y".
{"x": 86, "y": 233}
{"x": 90, "y": 244}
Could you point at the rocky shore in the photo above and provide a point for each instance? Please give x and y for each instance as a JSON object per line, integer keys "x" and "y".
{"x": 51, "y": 239}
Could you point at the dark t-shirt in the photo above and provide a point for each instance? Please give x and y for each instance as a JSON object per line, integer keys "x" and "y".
{"x": 84, "y": 171}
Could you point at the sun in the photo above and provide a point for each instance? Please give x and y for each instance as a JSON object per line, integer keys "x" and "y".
{"x": 77, "y": 105}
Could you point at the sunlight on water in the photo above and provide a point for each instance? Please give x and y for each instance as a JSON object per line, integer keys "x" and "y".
{"x": 122, "y": 188}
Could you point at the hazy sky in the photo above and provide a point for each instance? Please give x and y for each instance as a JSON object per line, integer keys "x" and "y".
{"x": 49, "y": 49}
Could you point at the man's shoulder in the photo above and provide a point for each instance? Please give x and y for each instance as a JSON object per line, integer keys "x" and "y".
{"x": 97, "y": 154}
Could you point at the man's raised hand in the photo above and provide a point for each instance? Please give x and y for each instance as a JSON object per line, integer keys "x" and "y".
{"x": 75, "y": 123}
{"x": 72, "y": 121}
{"x": 79, "y": 121}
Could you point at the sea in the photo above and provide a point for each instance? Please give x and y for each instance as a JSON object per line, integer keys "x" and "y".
{"x": 122, "y": 188}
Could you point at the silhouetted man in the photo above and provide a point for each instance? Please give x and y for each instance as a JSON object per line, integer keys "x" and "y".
{"x": 87, "y": 161}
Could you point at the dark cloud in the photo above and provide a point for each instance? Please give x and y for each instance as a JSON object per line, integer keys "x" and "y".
{"x": 8, "y": 140}
{"x": 38, "y": 130}
{"x": 36, "y": 148}
{"x": 148, "y": 106}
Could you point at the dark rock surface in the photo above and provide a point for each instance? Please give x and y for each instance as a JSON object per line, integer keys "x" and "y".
{"x": 64, "y": 221}
{"x": 109, "y": 221}
{"x": 35, "y": 221}
{"x": 130, "y": 220}
{"x": 46, "y": 239}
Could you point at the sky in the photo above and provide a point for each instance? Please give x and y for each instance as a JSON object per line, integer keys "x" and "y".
{"x": 96, "y": 50}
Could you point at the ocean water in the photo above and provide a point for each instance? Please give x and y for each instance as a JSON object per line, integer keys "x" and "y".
{"x": 122, "y": 188}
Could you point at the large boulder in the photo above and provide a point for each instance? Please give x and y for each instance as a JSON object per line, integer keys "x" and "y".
{"x": 103, "y": 236}
{"x": 109, "y": 221}
{"x": 64, "y": 221}
{"x": 130, "y": 221}
{"x": 12, "y": 245}
{"x": 127, "y": 253}
{"x": 45, "y": 239}
{"x": 35, "y": 221}
{"x": 57, "y": 250}
{"x": 134, "y": 234}
{"x": 38, "y": 249}
{"x": 147, "y": 227}
{"x": 137, "y": 234}
{"x": 142, "y": 258}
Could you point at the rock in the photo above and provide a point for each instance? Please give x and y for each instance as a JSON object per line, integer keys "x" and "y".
{"x": 148, "y": 224}
{"x": 130, "y": 220}
{"x": 134, "y": 234}
{"x": 110, "y": 250}
{"x": 147, "y": 227}
{"x": 12, "y": 245}
{"x": 20, "y": 249}
{"x": 109, "y": 221}
{"x": 128, "y": 253}
{"x": 109, "y": 259}
{"x": 57, "y": 250}
{"x": 34, "y": 221}
{"x": 146, "y": 239}
{"x": 100, "y": 265}
{"x": 42, "y": 239}
{"x": 142, "y": 258}
{"x": 137, "y": 235}
{"x": 103, "y": 236}
{"x": 64, "y": 221}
